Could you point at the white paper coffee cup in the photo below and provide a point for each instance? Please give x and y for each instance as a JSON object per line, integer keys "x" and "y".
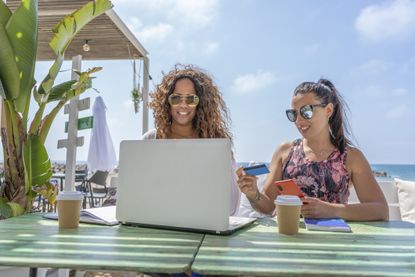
{"x": 288, "y": 213}
{"x": 69, "y": 208}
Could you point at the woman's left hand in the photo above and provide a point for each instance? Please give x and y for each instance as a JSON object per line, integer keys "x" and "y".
{"x": 316, "y": 208}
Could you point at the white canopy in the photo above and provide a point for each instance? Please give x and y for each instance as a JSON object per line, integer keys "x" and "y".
{"x": 101, "y": 154}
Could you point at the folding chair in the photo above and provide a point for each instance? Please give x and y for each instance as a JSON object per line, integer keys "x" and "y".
{"x": 96, "y": 187}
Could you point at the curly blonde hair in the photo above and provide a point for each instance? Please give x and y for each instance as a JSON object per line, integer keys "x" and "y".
{"x": 212, "y": 118}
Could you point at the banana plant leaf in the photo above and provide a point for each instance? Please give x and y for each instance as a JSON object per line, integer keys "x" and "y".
{"x": 48, "y": 191}
{"x": 22, "y": 32}
{"x": 38, "y": 169}
{"x": 78, "y": 88}
{"x": 15, "y": 208}
{"x": 2, "y": 92}
{"x": 58, "y": 91}
{"x": 9, "y": 209}
{"x": 73, "y": 88}
{"x": 47, "y": 83}
{"x": 5, "y": 210}
{"x": 9, "y": 72}
{"x": 5, "y": 13}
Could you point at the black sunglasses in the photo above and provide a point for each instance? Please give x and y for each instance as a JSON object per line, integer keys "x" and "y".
{"x": 306, "y": 112}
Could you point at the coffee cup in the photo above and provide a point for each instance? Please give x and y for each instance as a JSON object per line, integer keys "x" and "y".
{"x": 69, "y": 208}
{"x": 288, "y": 214}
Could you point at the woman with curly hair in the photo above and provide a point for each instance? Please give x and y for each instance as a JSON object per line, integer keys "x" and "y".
{"x": 188, "y": 104}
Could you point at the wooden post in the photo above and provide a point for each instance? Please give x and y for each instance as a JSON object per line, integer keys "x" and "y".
{"x": 72, "y": 130}
{"x": 146, "y": 76}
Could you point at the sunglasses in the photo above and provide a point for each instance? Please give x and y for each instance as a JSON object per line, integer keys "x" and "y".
{"x": 306, "y": 112}
{"x": 190, "y": 100}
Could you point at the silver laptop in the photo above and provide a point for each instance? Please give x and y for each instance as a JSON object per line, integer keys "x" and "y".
{"x": 182, "y": 184}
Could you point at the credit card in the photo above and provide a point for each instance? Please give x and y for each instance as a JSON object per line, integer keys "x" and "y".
{"x": 256, "y": 169}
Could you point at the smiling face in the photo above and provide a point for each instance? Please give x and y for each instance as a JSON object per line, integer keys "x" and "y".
{"x": 318, "y": 124}
{"x": 183, "y": 114}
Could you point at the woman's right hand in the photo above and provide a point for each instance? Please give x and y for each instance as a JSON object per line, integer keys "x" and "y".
{"x": 247, "y": 184}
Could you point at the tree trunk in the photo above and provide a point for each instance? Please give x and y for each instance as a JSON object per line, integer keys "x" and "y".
{"x": 13, "y": 189}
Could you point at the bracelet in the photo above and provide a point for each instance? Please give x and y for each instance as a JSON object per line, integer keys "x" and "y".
{"x": 257, "y": 197}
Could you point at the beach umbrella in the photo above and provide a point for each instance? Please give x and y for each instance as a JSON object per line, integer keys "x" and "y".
{"x": 101, "y": 154}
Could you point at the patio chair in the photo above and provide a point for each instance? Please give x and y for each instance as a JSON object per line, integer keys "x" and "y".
{"x": 81, "y": 174}
{"x": 95, "y": 188}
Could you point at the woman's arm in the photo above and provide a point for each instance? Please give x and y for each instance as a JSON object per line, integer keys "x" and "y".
{"x": 372, "y": 206}
{"x": 264, "y": 201}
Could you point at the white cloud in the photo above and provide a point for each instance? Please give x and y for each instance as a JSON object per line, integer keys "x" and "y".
{"x": 189, "y": 13}
{"x": 371, "y": 67}
{"x": 397, "y": 112}
{"x": 211, "y": 48}
{"x": 372, "y": 91}
{"x": 134, "y": 24}
{"x": 155, "y": 33}
{"x": 196, "y": 13}
{"x": 399, "y": 92}
{"x": 388, "y": 21}
{"x": 160, "y": 18}
{"x": 253, "y": 82}
{"x": 152, "y": 5}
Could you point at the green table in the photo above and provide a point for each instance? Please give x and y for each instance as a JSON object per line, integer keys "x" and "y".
{"x": 30, "y": 241}
{"x": 376, "y": 248}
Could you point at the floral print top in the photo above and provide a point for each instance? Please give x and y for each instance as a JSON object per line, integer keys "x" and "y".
{"x": 327, "y": 180}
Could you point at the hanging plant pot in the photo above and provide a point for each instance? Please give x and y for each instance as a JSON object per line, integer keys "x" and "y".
{"x": 136, "y": 97}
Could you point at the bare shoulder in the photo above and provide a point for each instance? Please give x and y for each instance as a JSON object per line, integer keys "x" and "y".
{"x": 355, "y": 158}
{"x": 276, "y": 166}
{"x": 282, "y": 151}
{"x": 151, "y": 134}
{"x": 354, "y": 153}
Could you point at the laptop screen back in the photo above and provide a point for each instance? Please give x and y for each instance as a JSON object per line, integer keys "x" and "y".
{"x": 175, "y": 183}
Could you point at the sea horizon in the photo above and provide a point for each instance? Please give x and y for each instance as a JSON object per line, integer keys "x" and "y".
{"x": 382, "y": 171}
{"x": 401, "y": 171}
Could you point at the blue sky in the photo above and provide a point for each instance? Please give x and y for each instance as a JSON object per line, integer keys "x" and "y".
{"x": 258, "y": 51}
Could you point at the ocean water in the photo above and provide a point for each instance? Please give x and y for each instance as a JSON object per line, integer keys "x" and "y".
{"x": 401, "y": 171}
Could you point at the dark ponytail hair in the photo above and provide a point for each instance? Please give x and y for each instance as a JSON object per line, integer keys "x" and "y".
{"x": 327, "y": 93}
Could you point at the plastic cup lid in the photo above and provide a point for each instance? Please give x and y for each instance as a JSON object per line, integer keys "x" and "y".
{"x": 288, "y": 200}
{"x": 69, "y": 195}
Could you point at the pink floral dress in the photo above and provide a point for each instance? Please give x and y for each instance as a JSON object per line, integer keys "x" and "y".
{"x": 327, "y": 180}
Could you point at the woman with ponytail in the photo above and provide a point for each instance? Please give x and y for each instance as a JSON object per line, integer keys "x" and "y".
{"x": 323, "y": 162}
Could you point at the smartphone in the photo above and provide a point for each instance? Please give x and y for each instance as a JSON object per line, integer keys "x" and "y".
{"x": 288, "y": 187}
{"x": 256, "y": 169}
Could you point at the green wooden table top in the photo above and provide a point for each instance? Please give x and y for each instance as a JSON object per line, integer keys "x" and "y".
{"x": 30, "y": 241}
{"x": 374, "y": 248}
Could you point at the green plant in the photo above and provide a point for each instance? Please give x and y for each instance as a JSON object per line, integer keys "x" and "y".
{"x": 136, "y": 98}
{"x": 27, "y": 168}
